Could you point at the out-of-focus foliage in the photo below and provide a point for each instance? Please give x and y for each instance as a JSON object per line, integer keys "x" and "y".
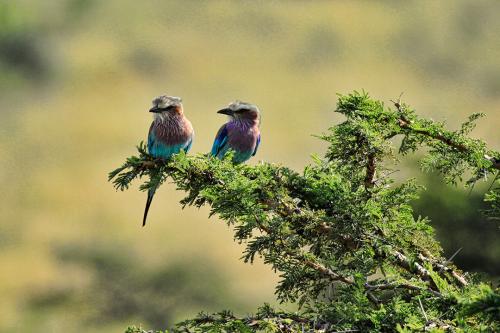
{"x": 341, "y": 235}
{"x": 459, "y": 226}
{"x": 493, "y": 199}
{"x": 76, "y": 80}
{"x": 168, "y": 288}
{"x": 21, "y": 55}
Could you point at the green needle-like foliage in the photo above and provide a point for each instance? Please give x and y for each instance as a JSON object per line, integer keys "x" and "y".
{"x": 342, "y": 234}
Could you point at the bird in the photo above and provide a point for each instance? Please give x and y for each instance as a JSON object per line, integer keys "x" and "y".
{"x": 240, "y": 134}
{"x": 169, "y": 133}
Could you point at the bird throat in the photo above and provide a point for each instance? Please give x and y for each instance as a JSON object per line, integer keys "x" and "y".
{"x": 244, "y": 123}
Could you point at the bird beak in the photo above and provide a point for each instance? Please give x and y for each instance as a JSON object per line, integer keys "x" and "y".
{"x": 156, "y": 109}
{"x": 226, "y": 111}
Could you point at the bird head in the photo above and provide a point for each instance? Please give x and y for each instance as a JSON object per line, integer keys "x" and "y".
{"x": 241, "y": 110}
{"x": 166, "y": 105}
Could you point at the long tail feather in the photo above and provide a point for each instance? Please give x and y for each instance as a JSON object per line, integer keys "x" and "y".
{"x": 151, "y": 193}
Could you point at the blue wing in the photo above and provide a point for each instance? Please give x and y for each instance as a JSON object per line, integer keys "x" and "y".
{"x": 151, "y": 139}
{"x": 220, "y": 140}
{"x": 189, "y": 144}
{"x": 256, "y": 145}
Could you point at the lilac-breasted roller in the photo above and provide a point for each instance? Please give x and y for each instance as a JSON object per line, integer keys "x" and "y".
{"x": 169, "y": 133}
{"x": 240, "y": 134}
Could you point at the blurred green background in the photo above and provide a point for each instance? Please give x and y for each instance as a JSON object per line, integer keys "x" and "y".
{"x": 76, "y": 81}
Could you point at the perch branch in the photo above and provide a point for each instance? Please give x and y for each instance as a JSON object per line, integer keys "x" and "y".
{"x": 405, "y": 124}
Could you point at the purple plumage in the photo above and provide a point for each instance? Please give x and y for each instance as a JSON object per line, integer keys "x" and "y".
{"x": 241, "y": 134}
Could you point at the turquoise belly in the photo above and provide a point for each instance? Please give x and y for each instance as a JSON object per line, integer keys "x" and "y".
{"x": 238, "y": 157}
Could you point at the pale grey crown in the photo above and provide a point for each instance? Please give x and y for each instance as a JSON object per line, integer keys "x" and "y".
{"x": 165, "y": 101}
{"x": 239, "y": 105}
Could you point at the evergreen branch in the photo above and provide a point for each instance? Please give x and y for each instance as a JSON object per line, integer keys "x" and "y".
{"x": 330, "y": 230}
{"x": 266, "y": 320}
{"x": 444, "y": 137}
{"x": 403, "y": 262}
{"x": 392, "y": 286}
{"x": 327, "y": 272}
{"x": 442, "y": 267}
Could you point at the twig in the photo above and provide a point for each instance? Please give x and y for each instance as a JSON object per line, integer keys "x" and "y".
{"x": 405, "y": 124}
{"x": 404, "y": 262}
{"x": 443, "y": 267}
{"x": 388, "y": 286}
{"x": 326, "y": 271}
{"x": 385, "y": 176}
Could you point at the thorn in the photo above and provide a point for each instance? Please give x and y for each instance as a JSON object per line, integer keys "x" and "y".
{"x": 493, "y": 182}
{"x": 453, "y": 255}
{"x": 423, "y": 311}
{"x": 397, "y": 103}
{"x": 449, "y": 260}
{"x": 471, "y": 188}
